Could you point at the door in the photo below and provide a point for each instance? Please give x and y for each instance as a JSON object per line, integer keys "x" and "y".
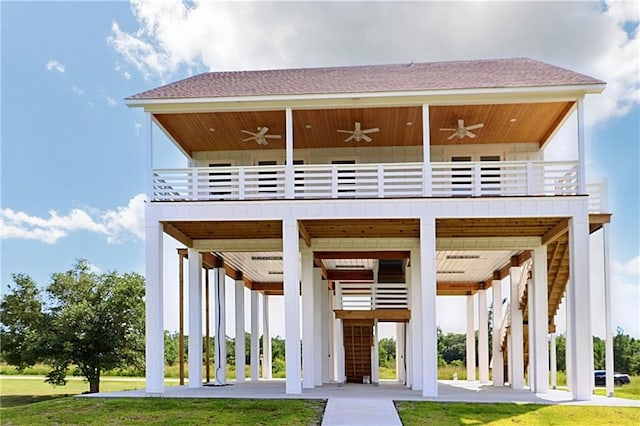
{"x": 346, "y": 179}
{"x": 358, "y": 340}
{"x": 220, "y": 182}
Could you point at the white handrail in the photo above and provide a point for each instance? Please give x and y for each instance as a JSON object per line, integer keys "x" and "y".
{"x": 373, "y": 180}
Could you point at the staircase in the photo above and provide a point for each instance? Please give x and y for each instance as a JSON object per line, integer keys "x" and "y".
{"x": 557, "y": 279}
{"x": 358, "y": 340}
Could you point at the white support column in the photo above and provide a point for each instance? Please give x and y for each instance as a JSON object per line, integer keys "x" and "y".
{"x": 266, "y": 340}
{"x": 416, "y": 321}
{"x": 429, "y": 317}
{"x": 291, "y": 244}
{"x": 319, "y": 355}
{"x": 308, "y": 314}
{"x": 375, "y": 356}
{"x": 582, "y": 185}
{"x": 568, "y": 338}
{"x": 498, "y": 359}
{"x": 426, "y": 151}
{"x": 516, "y": 378}
{"x": 195, "y": 318}
{"x": 289, "y": 188}
{"x": 239, "y": 343}
{"x": 408, "y": 353}
{"x": 327, "y": 329}
{"x": 483, "y": 338}
{"x": 154, "y": 316}
{"x": 580, "y": 313}
{"x": 539, "y": 317}
{"x": 553, "y": 362}
{"x": 471, "y": 341}
{"x": 220, "y": 324}
{"x": 608, "y": 337}
{"x": 340, "y": 377}
{"x": 400, "y": 355}
{"x": 254, "y": 356}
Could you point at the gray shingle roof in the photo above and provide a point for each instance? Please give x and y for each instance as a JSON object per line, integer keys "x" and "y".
{"x": 478, "y": 74}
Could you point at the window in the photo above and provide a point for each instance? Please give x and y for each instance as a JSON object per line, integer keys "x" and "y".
{"x": 346, "y": 178}
{"x": 461, "y": 176}
{"x": 220, "y": 182}
{"x": 490, "y": 175}
{"x": 267, "y": 180}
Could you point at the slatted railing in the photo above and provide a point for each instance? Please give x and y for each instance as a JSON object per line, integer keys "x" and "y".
{"x": 388, "y": 180}
{"x": 369, "y": 296}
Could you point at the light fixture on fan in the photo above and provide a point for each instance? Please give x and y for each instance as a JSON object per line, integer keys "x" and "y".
{"x": 462, "y": 131}
{"x": 260, "y": 136}
{"x": 358, "y": 134}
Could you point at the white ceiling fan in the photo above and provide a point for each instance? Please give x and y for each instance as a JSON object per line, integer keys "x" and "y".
{"x": 260, "y": 136}
{"x": 461, "y": 131}
{"x": 358, "y": 134}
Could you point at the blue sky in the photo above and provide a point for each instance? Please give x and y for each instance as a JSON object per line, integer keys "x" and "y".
{"x": 73, "y": 154}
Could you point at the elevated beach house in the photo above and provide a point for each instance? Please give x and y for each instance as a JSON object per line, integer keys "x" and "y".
{"x": 361, "y": 194}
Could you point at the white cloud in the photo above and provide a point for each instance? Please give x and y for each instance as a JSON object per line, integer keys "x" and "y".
{"x": 115, "y": 225}
{"x": 112, "y": 102}
{"x": 54, "y": 65}
{"x": 77, "y": 90}
{"x": 126, "y": 75}
{"x": 138, "y": 128}
{"x": 174, "y": 38}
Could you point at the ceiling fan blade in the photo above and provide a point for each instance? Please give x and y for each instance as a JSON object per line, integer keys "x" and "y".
{"x": 460, "y": 123}
{"x": 373, "y": 130}
{"x": 249, "y": 139}
{"x": 366, "y": 138}
{"x": 447, "y": 129}
{"x": 273, "y": 136}
{"x": 349, "y": 138}
{"x": 469, "y": 134}
{"x": 248, "y": 132}
{"x": 451, "y": 137}
{"x": 476, "y": 126}
{"x": 346, "y": 131}
{"x": 263, "y": 131}
{"x": 357, "y": 126}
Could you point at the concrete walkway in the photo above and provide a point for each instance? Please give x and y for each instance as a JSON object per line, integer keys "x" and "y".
{"x": 358, "y": 411}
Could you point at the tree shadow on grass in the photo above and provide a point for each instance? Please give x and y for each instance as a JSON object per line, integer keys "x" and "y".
{"x": 7, "y": 401}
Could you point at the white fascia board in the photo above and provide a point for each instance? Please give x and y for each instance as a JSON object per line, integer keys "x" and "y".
{"x": 433, "y": 97}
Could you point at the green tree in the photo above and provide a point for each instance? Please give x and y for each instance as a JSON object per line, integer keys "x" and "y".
{"x": 21, "y": 322}
{"x": 387, "y": 352}
{"x": 93, "y": 322}
{"x": 171, "y": 348}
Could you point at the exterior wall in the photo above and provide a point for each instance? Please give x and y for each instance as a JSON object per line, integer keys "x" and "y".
{"x": 410, "y": 154}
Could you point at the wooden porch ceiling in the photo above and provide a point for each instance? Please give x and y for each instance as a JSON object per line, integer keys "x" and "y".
{"x": 552, "y": 231}
{"x": 399, "y": 126}
{"x": 546, "y": 227}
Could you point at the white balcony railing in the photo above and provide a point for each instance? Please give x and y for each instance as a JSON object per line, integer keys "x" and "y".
{"x": 368, "y": 296}
{"x": 389, "y": 180}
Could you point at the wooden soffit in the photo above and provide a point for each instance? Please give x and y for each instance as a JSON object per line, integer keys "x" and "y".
{"x": 399, "y": 126}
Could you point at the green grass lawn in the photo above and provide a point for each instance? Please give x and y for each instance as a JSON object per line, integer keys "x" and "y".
{"x": 163, "y": 411}
{"x": 421, "y": 413}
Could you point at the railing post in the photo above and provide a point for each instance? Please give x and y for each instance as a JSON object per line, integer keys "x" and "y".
{"x": 241, "y": 181}
{"x": 289, "y": 185}
{"x": 477, "y": 181}
{"x": 334, "y": 181}
{"x": 581, "y": 146}
{"x": 427, "y": 178}
{"x": 529, "y": 178}
{"x": 194, "y": 183}
{"x": 380, "y": 181}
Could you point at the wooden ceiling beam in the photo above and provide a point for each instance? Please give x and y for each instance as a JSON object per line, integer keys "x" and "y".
{"x": 349, "y": 275}
{"x": 304, "y": 234}
{"x": 387, "y": 255}
{"x": 394, "y": 315}
{"x": 458, "y": 286}
{"x": 180, "y": 236}
{"x": 556, "y": 232}
{"x": 519, "y": 259}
